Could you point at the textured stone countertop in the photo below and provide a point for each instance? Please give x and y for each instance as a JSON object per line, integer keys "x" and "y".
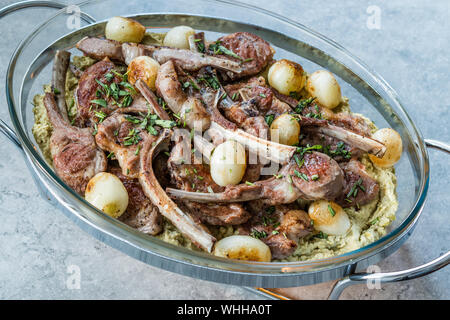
{"x": 410, "y": 50}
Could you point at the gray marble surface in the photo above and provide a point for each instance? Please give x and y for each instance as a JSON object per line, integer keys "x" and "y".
{"x": 410, "y": 50}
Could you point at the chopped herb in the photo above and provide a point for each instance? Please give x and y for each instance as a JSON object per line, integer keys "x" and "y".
{"x": 299, "y": 162}
{"x": 95, "y": 129}
{"x": 274, "y": 232}
{"x": 354, "y": 190}
{"x": 301, "y": 175}
{"x": 56, "y": 91}
{"x": 302, "y": 104}
{"x": 374, "y": 221}
{"x": 307, "y": 149}
{"x": 217, "y": 48}
{"x": 339, "y": 151}
{"x": 262, "y": 95}
{"x": 249, "y": 183}
{"x": 109, "y": 77}
{"x": 270, "y": 209}
{"x": 192, "y": 84}
{"x": 165, "y": 123}
{"x": 132, "y": 138}
{"x": 128, "y": 171}
{"x": 137, "y": 150}
{"x": 321, "y": 235}
{"x": 100, "y": 115}
{"x": 100, "y": 102}
{"x": 248, "y": 60}
{"x": 258, "y": 234}
{"x": 210, "y": 190}
{"x": 269, "y": 119}
{"x": 235, "y": 95}
{"x": 315, "y": 177}
{"x": 278, "y": 176}
{"x": 331, "y": 210}
{"x": 110, "y": 155}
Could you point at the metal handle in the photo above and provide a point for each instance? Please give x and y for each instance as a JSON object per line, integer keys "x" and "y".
{"x": 396, "y": 276}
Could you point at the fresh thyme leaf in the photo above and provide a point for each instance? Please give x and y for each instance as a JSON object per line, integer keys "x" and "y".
{"x": 100, "y": 102}
{"x": 258, "y": 234}
{"x": 100, "y": 115}
{"x": 331, "y": 210}
{"x": 302, "y": 104}
{"x": 269, "y": 119}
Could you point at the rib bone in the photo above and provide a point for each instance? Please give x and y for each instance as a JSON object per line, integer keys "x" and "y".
{"x": 270, "y": 150}
{"x": 153, "y": 190}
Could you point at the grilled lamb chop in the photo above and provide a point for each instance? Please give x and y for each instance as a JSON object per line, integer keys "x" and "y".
{"x": 101, "y": 48}
{"x": 141, "y": 214}
{"x": 196, "y": 177}
{"x": 87, "y": 91}
{"x": 320, "y": 177}
{"x": 190, "y": 109}
{"x": 280, "y": 227}
{"x": 255, "y": 52}
{"x": 193, "y": 230}
{"x": 76, "y": 157}
{"x": 359, "y": 187}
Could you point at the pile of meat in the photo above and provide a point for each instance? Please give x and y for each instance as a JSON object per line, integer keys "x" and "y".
{"x": 130, "y": 131}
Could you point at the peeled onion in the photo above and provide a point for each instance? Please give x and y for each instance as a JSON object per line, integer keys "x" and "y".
{"x": 286, "y": 76}
{"x": 286, "y": 128}
{"x": 242, "y": 248}
{"x": 329, "y": 217}
{"x": 124, "y": 30}
{"x": 394, "y": 147}
{"x": 145, "y": 69}
{"x": 106, "y": 192}
{"x": 323, "y": 86}
{"x": 178, "y": 37}
{"x": 228, "y": 163}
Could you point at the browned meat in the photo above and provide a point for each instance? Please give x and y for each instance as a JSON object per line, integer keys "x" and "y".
{"x": 319, "y": 177}
{"x": 188, "y": 226}
{"x": 124, "y": 139}
{"x": 255, "y": 52}
{"x": 359, "y": 187}
{"x": 76, "y": 157}
{"x": 280, "y": 227}
{"x": 141, "y": 214}
{"x": 87, "y": 92}
{"x": 99, "y": 49}
{"x": 196, "y": 177}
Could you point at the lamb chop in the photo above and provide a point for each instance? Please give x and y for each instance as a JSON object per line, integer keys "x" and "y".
{"x": 141, "y": 214}
{"x": 280, "y": 227}
{"x": 319, "y": 177}
{"x": 100, "y": 48}
{"x": 196, "y": 177}
{"x": 359, "y": 187}
{"x": 193, "y": 230}
{"x": 100, "y": 91}
{"x": 76, "y": 157}
{"x": 188, "y": 108}
{"x": 238, "y": 55}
